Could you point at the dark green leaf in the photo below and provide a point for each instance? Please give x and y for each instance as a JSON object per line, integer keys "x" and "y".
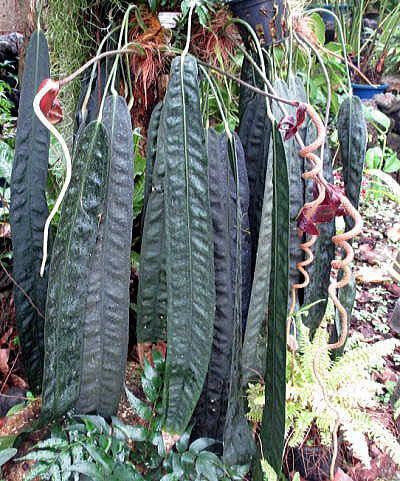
{"x": 352, "y": 133}
{"x": 200, "y": 445}
{"x": 152, "y": 134}
{"x": 69, "y": 270}
{"x": 273, "y": 424}
{"x": 106, "y": 320}
{"x": 324, "y": 252}
{"x": 189, "y": 247}
{"x": 90, "y": 469}
{"x": 28, "y": 212}
{"x": 152, "y": 290}
{"x": 100, "y": 457}
{"x": 254, "y": 345}
{"x": 183, "y": 442}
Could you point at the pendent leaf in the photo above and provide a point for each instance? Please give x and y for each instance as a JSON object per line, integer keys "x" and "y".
{"x": 74, "y": 247}
{"x": 324, "y": 251}
{"x": 106, "y": 320}
{"x": 152, "y": 292}
{"x": 255, "y": 342}
{"x": 189, "y": 247}
{"x": 29, "y": 211}
{"x": 353, "y": 136}
{"x": 272, "y": 432}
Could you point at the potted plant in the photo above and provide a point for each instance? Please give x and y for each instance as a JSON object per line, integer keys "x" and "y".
{"x": 266, "y": 17}
{"x": 369, "y": 47}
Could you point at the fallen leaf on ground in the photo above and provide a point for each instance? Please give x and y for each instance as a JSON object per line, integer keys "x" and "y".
{"x": 18, "y": 382}
{"x": 342, "y": 476}
{"x": 393, "y": 233}
{"x": 394, "y": 289}
{"x": 4, "y": 355}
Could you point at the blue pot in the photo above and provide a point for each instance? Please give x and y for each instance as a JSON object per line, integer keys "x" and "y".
{"x": 367, "y": 92}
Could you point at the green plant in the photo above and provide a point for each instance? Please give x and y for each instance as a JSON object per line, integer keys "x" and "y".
{"x": 152, "y": 291}
{"x": 118, "y": 452}
{"x": 6, "y": 119}
{"x": 188, "y": 244}
{"x": 229, "y": 198}
{"x": 69, "y": 270}
{"x": 6, "y": 160}
{"x": 105, "y": 324}
{"x": 28, "y": 212}
{"x": 202, "y": 8}
{"x": 347, "y": 391}
{"x": 369, "y": 49}
{"x": 67, "y": 24}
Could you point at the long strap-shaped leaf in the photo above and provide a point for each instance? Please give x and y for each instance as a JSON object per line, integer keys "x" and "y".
{"x": 220, "y": 412}
{"x": 294, "y": 89}
{"x": 255, "y": 133}
{"x": 353, "y": 136}
{"x": 151, "y": 152}
{"x": 210, "y": 412}
{"x": 255, "y": 342}
{"x": 69, "y": 271}
{"x": 189, "y": 247}
{"x": 106, "y": 321}
{"x": 352, "y": 133}
{"x": 29, "y": 211}
{"x": 324, "y": 251}
{"x": 273, "y": 424}
{"x": 237, "y": 440}
{"x": 152, "y": 293}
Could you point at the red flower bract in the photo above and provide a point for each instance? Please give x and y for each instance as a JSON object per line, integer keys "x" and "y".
{"x": 290, "y": 124}
{"x": 329, "y": 208}
{"x": 49, "y": 104}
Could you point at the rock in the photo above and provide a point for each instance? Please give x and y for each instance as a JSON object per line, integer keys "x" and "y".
{"x": 390, "y": 106}
{"x": 342, "y": 476}
{"x": 393, "y": 141}
{"x": 395, "y": 319}
{"x": 393, "y": 233}
{"x": 10, "y": 46}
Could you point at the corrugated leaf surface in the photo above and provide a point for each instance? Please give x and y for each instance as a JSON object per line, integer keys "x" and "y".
{"x": 29, "y": 211}
{"x": 74, "y": 246}
{"x": 106, "y": 321}
{"x": 189, "y": 247}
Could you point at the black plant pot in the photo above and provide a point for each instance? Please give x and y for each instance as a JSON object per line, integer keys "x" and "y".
{"x": 266, "y": 17}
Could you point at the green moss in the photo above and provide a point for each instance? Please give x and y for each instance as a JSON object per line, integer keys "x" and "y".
{"x": 69, "y": 30}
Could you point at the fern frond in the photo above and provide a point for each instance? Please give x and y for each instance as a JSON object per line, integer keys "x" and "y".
{"x": 364, "y": 357}
{"x": 268, "y": 471}
{"x": 357, "y": 441}
{"x": 301, "y": 427}
{"x": 385, "y": 440}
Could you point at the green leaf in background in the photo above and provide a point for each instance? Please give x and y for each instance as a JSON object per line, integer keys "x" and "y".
{"x": 6, "y": 160}
{"x": 377, "y": 118}
{"x": 373, "y": 158}
{"x": 6, "y": 455}
{"x": 392, "y": 162}
{"x": 318, "y": 27}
